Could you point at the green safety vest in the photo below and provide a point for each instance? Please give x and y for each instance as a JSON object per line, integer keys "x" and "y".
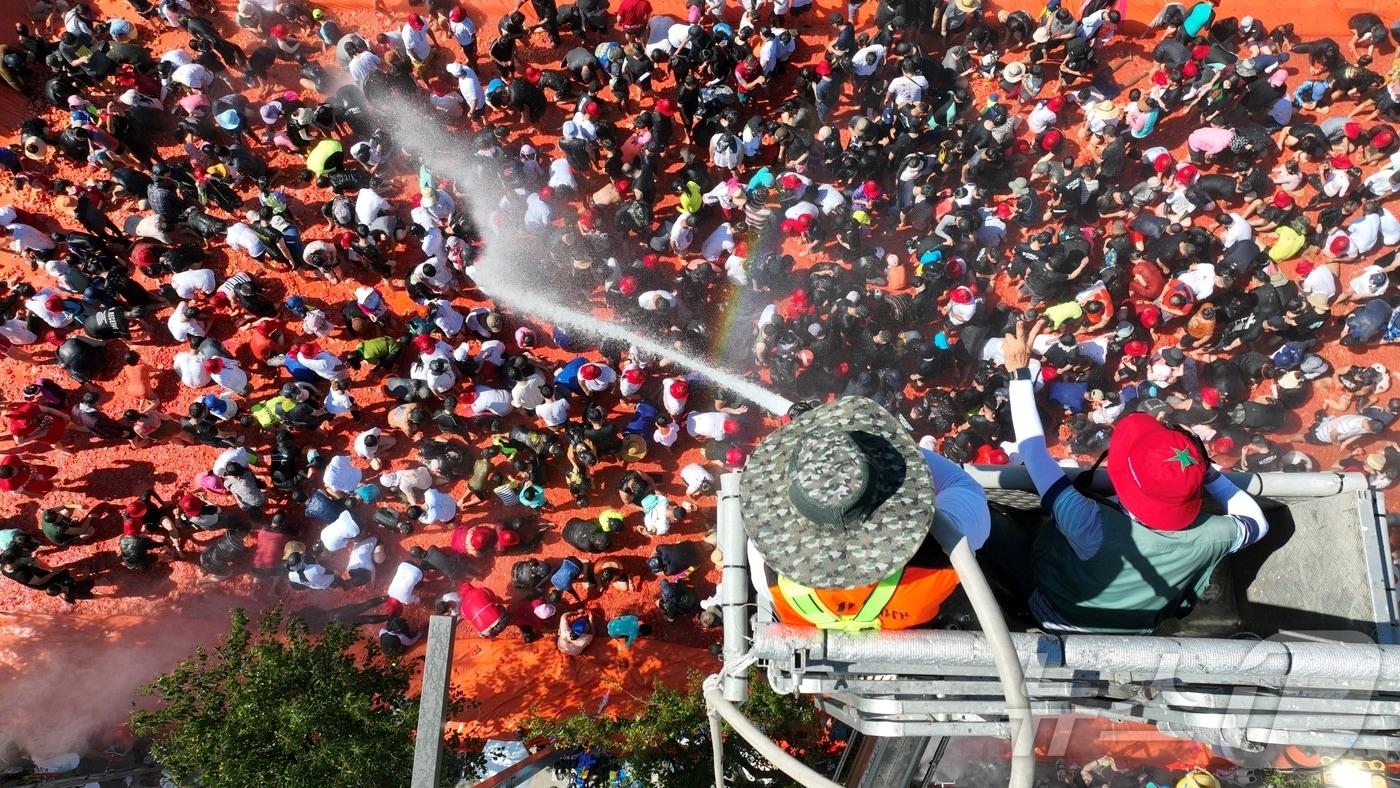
{"x": 805, "y": 601}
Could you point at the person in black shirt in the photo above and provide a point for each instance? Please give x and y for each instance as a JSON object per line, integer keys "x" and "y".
{"x": 1261, "y": 455}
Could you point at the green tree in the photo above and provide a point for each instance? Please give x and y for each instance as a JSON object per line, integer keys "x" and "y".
{"x": 1275, "y": 779}
{"x": 667, "y": 741}
{"x": 277, "y": 707}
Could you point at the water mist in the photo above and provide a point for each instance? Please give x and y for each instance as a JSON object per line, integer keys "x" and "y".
{"x": 504, "y": 271}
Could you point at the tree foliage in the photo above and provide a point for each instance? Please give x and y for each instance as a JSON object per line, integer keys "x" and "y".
{"x": 277, "y": 707}
{"x": 667, "y": 741}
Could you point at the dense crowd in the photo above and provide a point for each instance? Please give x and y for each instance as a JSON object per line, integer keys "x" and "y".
{"x": 895, "y": 190}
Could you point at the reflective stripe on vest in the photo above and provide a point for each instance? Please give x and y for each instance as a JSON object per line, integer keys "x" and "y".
{"x": 807, "y": 604}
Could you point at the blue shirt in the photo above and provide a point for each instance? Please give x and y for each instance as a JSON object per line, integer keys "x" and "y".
{"x": 567, "y": 376}
{"x": 564, "y": 577}
{"x": 321, "y": 508}
{"x": 629, "y": 627}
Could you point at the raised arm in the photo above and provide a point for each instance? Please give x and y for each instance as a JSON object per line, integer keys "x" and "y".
{"x": 1076, "y": 516}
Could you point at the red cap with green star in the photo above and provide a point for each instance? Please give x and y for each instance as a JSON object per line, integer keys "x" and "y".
{"x": 1157, "y": 471}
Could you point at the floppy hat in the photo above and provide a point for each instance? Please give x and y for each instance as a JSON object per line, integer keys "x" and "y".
{"x": 1014, "y": 72}
{"x": 968, "y": 6}
{"x": 1106, "y": 109}
{"x": 1158, "y": 472}
{"x": 1019, "y": 186}
{"x": 1376, "y": 461}
{"x": 838, "y": 498}
{"x": 1041, "y": 35}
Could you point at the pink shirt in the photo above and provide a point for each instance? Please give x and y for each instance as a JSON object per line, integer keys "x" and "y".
{"x": 1210, "y": 139}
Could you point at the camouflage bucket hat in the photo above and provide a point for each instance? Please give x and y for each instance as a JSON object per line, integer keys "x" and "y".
{"x": 838, "y": 498}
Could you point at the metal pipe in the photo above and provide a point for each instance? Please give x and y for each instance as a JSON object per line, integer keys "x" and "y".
{"x": 1098, "y": 654}
{"x": 1268, "y": 485}
{"x": 716, "y": 745}
{"x": 734, "y": 585}
{"x": 780, "y": 758}
{"x": 1008, "y": 663}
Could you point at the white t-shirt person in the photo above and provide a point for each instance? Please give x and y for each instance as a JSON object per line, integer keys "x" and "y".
{"x": 406, "y": 579}
{"x": 340, "y": 532}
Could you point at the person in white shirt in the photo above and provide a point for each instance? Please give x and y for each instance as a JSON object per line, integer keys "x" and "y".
{"x": 527, "y": 394}
{"x": 698, "y": 480}
{"x": 313, "y": 576}
{"x": 364, "y": 64}
{"x": 1322, "y": 279}
{"x": 718, "y": 242}
{"x": 657, "y": 300}
{"x": 24, "y": 238}
{"x": 189, "y": 367}
{"x": 194, "y": 280}
{"x": 369, "y": 205}
{"x": 726, "y": 151}
{"x": 340, "y": 476}
{"x": 682, "y": 233}
{"x": 1041, "y": 118}
{"x": 596, "y": 378}
{"x": 906, "y": 88}
{"x": 227, "y": 373}
{"x": 1234, "y": 229}
{"x": 185, "y": 322}
{"x": 447, "y": 319}
{"x": 486, "y": 400}
{"x": 241, "y": 236}
{"x": 865, "y": 62}
{"x": 192, "y": 76}
{"x": 554, "y": 411}
{"x": 320, "y": 361}
{"x": 47, "y": 305}
{"x": 674, "y": 394}
{"x": 364, "y": 556}
{"x": 437, "y": 373}
{"x": 1371, "y": 282}
{"x": 713, "y": 425}
{"x": 337, "y": 534}
{"x": 1364, "y": 233}
{"x": 371, "y": 444}
{"x": 437, "y": 507}
{"x": 406, "y": 578}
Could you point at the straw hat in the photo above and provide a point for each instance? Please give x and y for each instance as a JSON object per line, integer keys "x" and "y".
{"x": 1041, "y": 35}
{"x": 1376, "y": 461}
{"x": 1014, "y": 72}
{"x": 1106, "y": 109}
{"x": 839, "y": 497}
{"x": 968, "y": 6}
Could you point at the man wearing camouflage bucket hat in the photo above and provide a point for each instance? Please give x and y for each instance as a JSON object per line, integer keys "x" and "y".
{"x": 839, "y": 506}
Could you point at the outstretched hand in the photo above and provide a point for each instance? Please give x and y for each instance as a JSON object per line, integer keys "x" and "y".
{"x": 1016, "y": 347}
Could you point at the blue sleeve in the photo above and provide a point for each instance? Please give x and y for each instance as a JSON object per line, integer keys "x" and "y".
{"x": 1077, "y": 517}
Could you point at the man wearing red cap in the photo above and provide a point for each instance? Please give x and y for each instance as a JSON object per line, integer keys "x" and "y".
{"x": 1124, "y": 565}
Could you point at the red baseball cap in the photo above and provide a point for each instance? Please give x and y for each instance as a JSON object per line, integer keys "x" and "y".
{"x": 506, "y": 537}
{"x": 680, "y": 389}
{"x": 590, "y": 372}
{"x": 1158, "y": 472}
{"x": 634, "y": 376}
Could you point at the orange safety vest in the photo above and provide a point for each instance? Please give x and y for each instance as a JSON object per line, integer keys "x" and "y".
{"x": 915, "y": 601}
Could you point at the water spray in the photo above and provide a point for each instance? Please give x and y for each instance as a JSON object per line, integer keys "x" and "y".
{"x": 502, "y": 271}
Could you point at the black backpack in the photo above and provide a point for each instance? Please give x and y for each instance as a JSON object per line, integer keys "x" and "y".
{"x": 528, "y": 574}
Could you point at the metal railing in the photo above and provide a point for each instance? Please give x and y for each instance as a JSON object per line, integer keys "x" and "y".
{"x": 1247, "y": 695}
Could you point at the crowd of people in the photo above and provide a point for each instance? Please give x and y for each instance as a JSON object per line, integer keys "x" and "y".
{"x": 897, "y": 189}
